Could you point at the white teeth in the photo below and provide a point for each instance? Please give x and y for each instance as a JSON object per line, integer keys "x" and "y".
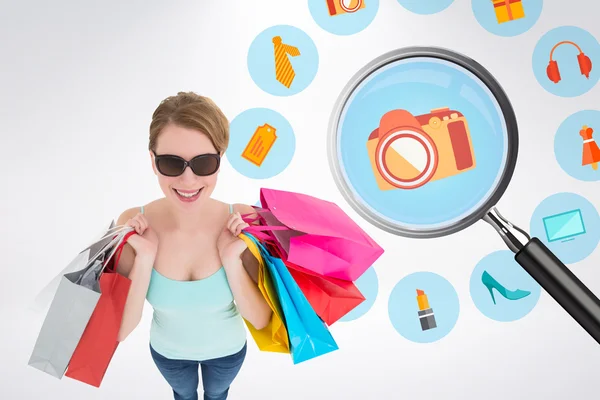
{"x": 188, "y": 195}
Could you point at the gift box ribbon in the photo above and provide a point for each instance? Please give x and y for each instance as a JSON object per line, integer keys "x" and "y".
{"x": 506, "y": 3}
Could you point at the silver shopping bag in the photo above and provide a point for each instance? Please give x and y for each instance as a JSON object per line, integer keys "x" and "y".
{"x": 42, "y": 301}
{"x": 70, "y": 311}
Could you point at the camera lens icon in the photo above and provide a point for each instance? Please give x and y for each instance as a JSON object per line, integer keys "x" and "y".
{"x": 408, "y": 151}
{"x": 339, "y": 7}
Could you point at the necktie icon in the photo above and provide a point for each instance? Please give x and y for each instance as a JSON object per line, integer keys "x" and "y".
{"x": 284, "y": 72}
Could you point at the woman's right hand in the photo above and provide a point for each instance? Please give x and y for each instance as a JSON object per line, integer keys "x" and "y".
{"x": 145, "y": 243}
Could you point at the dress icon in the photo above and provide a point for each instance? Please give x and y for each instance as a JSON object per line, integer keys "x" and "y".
{"x": 284, "y": 72}
{"x": 591, "y": 152}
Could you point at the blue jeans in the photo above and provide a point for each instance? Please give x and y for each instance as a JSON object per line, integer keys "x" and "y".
{"x": 217, "y": 375}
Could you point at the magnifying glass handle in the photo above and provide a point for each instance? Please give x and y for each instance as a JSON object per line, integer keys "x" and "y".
{"x": 561, "y": 284}
{"x": 551, "y": 274}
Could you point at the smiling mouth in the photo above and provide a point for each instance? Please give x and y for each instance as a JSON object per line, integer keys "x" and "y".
{"x": 188, "y": 195}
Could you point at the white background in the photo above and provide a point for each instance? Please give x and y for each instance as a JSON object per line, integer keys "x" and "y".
{"x": 79, "y": 83}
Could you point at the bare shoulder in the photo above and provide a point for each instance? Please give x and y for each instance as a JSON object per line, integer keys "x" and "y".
{"x": 127, "y": 215}
{"x": 151, "y": 209}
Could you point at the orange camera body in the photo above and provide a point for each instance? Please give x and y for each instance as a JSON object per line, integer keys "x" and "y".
{"x": 448, "y": 131}
{"x": 338, "y": 7}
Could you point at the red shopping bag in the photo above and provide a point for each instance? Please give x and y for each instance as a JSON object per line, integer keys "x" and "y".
{"x": 99, "y": 340}
{"x": 316, "y": 234}
{"x": 330, "y": 298}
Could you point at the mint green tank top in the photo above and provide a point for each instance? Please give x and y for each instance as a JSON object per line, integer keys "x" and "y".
{"x": 194, "y": 320}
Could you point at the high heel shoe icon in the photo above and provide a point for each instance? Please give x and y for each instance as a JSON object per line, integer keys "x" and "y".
{"x": 492, "y": 283}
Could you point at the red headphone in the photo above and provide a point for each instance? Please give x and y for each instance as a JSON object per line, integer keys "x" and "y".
{"x": 585, "y": 64}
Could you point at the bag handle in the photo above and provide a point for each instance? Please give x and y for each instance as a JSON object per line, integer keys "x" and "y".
{"x": 261, "y": 236}
{"x": 117, "y": 251}
{"x": 265, "y": 237}
{"x": 91, "y": 260}
{"x": 248, "y": 220}
{"x": 262, "y": 228}
{"x": 259, "y": 231}
{"x": 119, "y": 230}
{"x": 256, "y": 229}
{"x": 115, "y": 241}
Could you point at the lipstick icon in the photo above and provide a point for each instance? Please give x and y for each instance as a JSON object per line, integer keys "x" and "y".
{"x": 425, "y": 312}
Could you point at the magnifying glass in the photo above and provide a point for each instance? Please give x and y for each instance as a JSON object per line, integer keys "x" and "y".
{"x": 423, "y": 143}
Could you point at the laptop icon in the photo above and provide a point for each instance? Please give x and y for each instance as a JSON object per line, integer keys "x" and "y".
{"x": 564, "y": 226}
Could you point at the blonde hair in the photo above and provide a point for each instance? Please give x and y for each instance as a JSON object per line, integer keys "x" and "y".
{"x": 190, "y": 110}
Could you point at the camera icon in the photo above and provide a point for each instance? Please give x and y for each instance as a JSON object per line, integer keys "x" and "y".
{"x": 408, "y": 151}
{"x": 338, "y": 7}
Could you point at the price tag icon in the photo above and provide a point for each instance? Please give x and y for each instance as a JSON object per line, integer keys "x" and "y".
{"x": 260, "y": 144}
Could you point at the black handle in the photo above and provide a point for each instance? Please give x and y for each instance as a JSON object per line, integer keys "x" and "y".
{"x": 562, "y": 285}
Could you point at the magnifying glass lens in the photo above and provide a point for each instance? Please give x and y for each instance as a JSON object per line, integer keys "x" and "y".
{"x": 420, "y": 145}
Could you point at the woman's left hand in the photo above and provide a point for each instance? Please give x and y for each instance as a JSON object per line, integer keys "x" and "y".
{"x": 229, "y": 245}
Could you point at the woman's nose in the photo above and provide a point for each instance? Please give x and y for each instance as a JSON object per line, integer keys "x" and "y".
{"x": 188, "y": 175}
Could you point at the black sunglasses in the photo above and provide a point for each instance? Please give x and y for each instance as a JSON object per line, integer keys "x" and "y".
{"x": 202, "y": 165}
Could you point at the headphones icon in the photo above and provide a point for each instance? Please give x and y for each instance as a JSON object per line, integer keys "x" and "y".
{"x": 585, "y": 64}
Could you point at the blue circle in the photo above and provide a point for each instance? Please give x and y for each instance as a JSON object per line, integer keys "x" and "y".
{"x": 368, "y": 285}
{"x": 497, "y": 21}
{"x": 331, "y": 17}
{"x": 419, "y": 85}
{"x": 404, "y": 308}
{"x": 299, "y": 52}
{"x": 572, "y": 82}
{"x": 568, "y": 224}
{"x": 241, "y": 132}
{"x": 425, "y": 6}
{"x": 569, "y": 146}
{"x": 499, "y": 272}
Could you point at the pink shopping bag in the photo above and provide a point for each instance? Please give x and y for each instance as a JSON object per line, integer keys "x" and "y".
{"x": 316, "y": 234}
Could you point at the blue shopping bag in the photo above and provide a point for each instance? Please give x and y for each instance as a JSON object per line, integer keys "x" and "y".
{"x": 308, "y": 335}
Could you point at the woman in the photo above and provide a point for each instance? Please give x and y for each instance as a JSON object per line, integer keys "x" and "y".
{"x": 186, "y": 258}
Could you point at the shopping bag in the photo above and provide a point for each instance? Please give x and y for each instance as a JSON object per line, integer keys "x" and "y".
{"x": 331, "y": 298}
{"x": 316, "y": 234}
{"x": 43, "y": 299}
{"x": 68, "y": 315}
{"x": 98, "y": 343}
{"x": 273, "y": 337}
{"x": 309, "y": 336}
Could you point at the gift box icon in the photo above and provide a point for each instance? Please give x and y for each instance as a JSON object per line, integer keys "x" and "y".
{"x": 508, "y": 10}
